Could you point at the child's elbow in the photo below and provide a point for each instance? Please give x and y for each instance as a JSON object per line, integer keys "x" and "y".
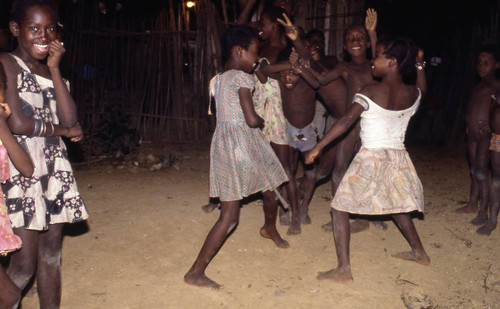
{"x": 27, "y": 171}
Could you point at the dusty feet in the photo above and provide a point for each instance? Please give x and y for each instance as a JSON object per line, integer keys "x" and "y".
{"x": 294, "y": 228}
{"x": 381, "y": 225}
{"x": 304, "y": 217}
{"x": 467, "y": 209}
{"x": 420, "y": 258}
{"x": 327, "y": 227}
{"x": 480, "y": 218}
{"x": 336, "y": 275}
{"x": 359, "y": 225}
{"x": 284, "y": 216}
{"x": 487, "y": 228}
{"x": 201, "y": 281}
{"x": 275, "y": 237}
{"x": 208, "y": 208}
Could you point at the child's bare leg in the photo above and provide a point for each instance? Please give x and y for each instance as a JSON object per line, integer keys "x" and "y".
{"x": 491, "y": 223}
{"x": 48, "y": 274}
{"x": 471, "y": 206}
{"x": 342, "y": 237}
{"x": 10, "y": 294}
{"x": 284, "y": 154}
{"x": 271, "y": 212}
{"x": 409, "y": 231}
{"x": 481, "y": 173}
{"x": 23, "y": 262}
{"x": 228, "y": 218}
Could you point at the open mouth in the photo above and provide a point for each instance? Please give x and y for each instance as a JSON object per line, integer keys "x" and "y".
{"x": 41, "y": 47}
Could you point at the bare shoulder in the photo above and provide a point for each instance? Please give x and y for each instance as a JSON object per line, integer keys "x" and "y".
{"x": 8, "y": 64}
{"x": 371, "y": 90}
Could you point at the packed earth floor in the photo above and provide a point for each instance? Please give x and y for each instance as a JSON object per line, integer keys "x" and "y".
{"x": 147, "y": 227}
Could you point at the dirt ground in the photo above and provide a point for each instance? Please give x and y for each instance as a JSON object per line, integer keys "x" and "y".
{"x": 146, "y": 228}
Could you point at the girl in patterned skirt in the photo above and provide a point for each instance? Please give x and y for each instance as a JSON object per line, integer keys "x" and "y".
{"x": 9, "y": 242}
{"x": 241, "y": 160}
{"x": 42, "y": 111}
{"x": 381, "y": 178}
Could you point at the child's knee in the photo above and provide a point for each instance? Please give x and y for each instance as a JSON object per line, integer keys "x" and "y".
{"x": 480, "y": 173}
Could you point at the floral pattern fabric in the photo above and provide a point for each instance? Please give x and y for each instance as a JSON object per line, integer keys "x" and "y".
{"x": 51, "y": 195}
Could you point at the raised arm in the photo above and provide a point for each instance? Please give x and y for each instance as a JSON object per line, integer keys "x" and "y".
{"x": 421, "y": 79}
{"x": 371, "y": 26}
{"x": 243, "y": 17}
{"x": 293, "y": 34}
{"x": 251, "y": 118}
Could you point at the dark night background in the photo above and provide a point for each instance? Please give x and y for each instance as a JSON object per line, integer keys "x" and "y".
{"x": 449, "y": 30}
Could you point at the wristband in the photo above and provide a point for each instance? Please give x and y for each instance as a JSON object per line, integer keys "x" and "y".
{"x": 36, "y": 127}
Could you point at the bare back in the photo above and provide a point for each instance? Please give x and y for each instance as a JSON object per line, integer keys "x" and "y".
{"x": 394, "y": 97}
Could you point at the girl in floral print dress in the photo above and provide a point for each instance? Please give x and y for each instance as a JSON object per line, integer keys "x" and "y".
{"x": 42, "y": 111}
{"x": 381, "y": 178}
{"x": 241, "y": 160}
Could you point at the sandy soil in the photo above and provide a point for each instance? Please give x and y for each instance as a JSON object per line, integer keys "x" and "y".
{"x": 146, "y": 228}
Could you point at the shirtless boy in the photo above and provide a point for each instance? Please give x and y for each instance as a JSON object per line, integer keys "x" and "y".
{"x": 491, "y": 223}
{"x": 479, "y": 132}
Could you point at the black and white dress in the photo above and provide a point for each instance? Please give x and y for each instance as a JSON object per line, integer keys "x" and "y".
{"x": 51, "y": 195}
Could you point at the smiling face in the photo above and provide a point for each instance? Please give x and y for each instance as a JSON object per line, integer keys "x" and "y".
{"x": 266, "y": 27}
{"x": 35, "y": 32}
{"x": 289, "y": 79}
{"x": 356, "y": 42}
{"x": 486, "y": 64}
{"x": 316, "y": 46}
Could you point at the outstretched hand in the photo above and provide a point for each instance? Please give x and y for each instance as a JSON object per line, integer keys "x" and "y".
{"x": 371, "y": 20}
{"x": 312, "y": 155}
{"x": 56, "y": 51}
{"x": 290, "y": 30}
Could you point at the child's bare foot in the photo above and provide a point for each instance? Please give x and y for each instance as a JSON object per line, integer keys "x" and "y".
{"x": 327, "y": 227}
{"x": 284, "y": 217}
{"x": 467, "y": 209}
{"x": 294, "y": 228}
{"x": 381, "y": 225}
{"x": 275, "y": 237}
{"x": 420, "y": 258}
{"x": 487, "y": 228}
{"x": 208, "y": 208}
{"x": 359, "y": 225}
{"x": 480, "y": 218}
{"x": 304, "y": 217}
{"x": 201, "y": 281}
{"x": 336, "y": 275}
